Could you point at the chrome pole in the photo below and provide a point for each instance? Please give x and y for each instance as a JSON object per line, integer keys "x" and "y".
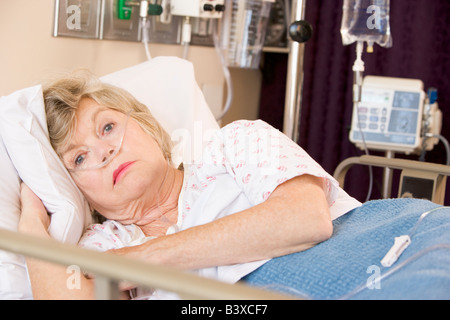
{"x": 294, "y": 82}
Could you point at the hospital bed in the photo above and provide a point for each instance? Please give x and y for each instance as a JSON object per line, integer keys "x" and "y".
{"x": 338, "y": 268}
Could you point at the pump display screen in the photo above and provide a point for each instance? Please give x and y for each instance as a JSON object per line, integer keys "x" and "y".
{"x": 406, "y": 100}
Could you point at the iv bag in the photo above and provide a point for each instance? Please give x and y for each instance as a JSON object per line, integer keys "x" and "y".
{"x": 366, "y": 21}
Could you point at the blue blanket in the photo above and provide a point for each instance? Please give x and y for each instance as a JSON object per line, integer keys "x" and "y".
{"x": 348, "y": 265}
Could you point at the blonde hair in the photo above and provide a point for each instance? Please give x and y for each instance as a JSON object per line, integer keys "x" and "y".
{"x": 63, "y": 96}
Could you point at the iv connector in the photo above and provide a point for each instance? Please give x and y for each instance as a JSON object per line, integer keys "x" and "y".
{"x": 400, "y": 244}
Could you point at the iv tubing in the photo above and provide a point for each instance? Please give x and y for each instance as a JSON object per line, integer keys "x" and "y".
{"x": 397, "y": 268}
{"x": 423, "y": 216}
{"x": 358, "y": 69}
{"x": 407, "y": 261}
{"x": 226, "y": 73}
{"x": 366, "y": 150}
{"x": 144, "y": 25}
{"x": 186, "y": 37}
{"x": 147, "y": 51}
{"x": 444, "y": 142}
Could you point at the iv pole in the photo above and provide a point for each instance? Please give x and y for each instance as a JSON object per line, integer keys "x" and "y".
{"x": 300, "y": 31}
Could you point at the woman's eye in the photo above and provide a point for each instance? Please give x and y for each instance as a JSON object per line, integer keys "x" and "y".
{"x": 79, "y": 160}
{"x": 108, "y": 128}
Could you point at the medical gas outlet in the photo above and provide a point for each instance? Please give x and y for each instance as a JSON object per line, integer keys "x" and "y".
{"x": 212, "y": 9}
{"x": 124, "y": 9}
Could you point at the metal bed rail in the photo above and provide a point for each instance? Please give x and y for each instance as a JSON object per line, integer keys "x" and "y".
{"x": 109, "y": 269}
{"x": 437, "y": 173}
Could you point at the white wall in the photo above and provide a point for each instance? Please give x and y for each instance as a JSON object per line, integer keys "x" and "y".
{"x": 29, "y": 53}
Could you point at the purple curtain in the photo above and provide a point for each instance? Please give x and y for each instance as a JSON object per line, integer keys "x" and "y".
{"x": 421, "y": 50}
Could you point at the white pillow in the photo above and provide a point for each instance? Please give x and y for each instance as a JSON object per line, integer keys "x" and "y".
{"x": 165, "y": 84}
{"x": 13, "y": 275}
{"x": 23, "y": 127}
{"x": 24, "y": 133}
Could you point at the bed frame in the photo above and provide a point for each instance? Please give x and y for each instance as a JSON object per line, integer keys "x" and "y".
{"x": 410, "y": 171}
{"x": 109, "y": 269}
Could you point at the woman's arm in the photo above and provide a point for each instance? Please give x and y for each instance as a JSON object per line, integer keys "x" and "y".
{"x": 294, "y": 218}
{"x": 48, "y": 281}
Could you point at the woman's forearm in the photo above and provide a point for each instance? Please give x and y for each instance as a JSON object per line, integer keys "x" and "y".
{"x": 294, "y": 218}
{"x": 48, "y": 281}
{"x": 51, "y": 281}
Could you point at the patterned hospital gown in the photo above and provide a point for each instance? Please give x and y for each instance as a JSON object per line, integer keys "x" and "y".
{"x": 240, "y": 167}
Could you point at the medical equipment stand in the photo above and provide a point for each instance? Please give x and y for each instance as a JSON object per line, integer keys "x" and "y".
{"x": 387, "y": 177}
{"x": 300, "y": 32}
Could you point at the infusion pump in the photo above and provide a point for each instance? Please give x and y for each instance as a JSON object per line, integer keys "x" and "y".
{"x": 394, "y": 115}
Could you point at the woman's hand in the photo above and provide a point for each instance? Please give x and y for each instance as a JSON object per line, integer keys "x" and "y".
{"x": 34, "y": 219}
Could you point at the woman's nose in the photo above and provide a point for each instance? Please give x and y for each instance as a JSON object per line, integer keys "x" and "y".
{"x": 104, "y": 150}
{"x": 108, "y": 155}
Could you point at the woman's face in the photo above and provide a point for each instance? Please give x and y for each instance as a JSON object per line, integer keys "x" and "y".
{"x": 127, "y": 186}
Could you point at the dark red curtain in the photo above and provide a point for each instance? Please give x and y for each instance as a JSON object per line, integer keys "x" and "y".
{"x": 421, "y": 50}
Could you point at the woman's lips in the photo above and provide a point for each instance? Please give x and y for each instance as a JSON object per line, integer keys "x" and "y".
{"x": 121, "y": 170}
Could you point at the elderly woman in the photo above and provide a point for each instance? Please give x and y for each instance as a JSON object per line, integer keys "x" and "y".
{"x": 253, "y": 196}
